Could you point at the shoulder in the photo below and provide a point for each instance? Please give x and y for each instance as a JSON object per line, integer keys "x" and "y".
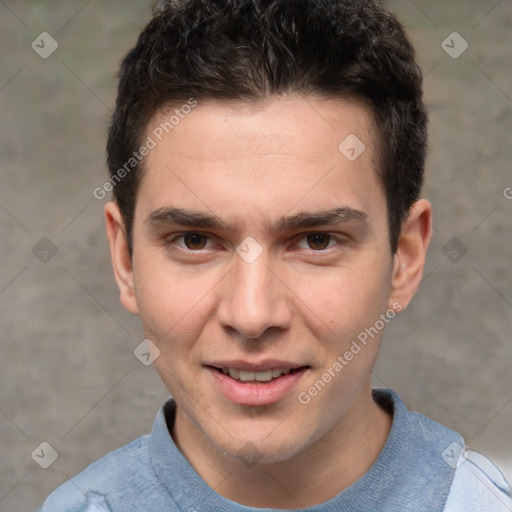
{"x": 453, "y": 476}
{"x": 478, "y": 485}
{"x": 115, "y": 478}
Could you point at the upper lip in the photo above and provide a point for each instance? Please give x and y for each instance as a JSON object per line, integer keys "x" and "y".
{"x": 259, "y": 366}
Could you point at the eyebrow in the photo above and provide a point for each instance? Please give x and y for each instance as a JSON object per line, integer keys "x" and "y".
{"x": 198, "y": 219}
{"x": 321, "y": 218}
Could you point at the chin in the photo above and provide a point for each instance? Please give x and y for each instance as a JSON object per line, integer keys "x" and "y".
{"x": 252, "y": 453}
{"x": 263, "y": 450}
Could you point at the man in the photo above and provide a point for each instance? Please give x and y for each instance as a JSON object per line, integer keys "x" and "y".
{"x": 267, "y": 158}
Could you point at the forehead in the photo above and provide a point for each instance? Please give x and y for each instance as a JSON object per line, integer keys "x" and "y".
{"x": 288, "y": 122}
{"x": 268, "y": 155}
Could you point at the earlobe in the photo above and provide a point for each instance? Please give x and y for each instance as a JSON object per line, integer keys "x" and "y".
{"x": 409, "y": 260}
{"x": 120, "y": 255}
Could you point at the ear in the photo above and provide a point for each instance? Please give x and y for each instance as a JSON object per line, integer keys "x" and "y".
{"x": 120, "y": 254}
{"x": 409, "y": 259}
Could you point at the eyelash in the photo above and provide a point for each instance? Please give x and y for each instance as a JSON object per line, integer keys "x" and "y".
{"x": 171, "y": 242}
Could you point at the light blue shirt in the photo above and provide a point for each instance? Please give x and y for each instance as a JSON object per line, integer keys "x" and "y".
{"x": 423, "y": 467}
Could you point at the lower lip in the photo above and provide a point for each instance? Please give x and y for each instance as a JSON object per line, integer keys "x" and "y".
{"x": 254, "y": 394}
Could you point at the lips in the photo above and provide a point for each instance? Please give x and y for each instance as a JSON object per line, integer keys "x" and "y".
{"x": 250, "y": 384}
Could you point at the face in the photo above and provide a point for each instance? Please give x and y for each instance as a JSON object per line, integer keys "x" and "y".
{"x": 260, "y": 254}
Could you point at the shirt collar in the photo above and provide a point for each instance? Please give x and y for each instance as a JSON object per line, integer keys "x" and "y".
{"x": 408, "y": 473}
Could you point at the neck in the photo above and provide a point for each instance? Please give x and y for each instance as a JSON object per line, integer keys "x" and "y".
{"x": 316, "y": 475}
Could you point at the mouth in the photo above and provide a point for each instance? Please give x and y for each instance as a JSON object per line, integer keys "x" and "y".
{"x": 256, "y": 385}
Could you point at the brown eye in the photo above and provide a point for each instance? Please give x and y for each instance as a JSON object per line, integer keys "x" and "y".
{"x": 318, "y": 241}
{"x": 195, "y": 241}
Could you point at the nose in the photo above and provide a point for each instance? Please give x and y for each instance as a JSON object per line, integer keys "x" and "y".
{"x": 254, "y": 300}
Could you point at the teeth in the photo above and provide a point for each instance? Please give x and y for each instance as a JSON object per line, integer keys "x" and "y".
{"x": 245, "y": 376}
{"x": 263, "y": 376}
{"x": 248, "y": 376}
{"x": 235, "y": 374}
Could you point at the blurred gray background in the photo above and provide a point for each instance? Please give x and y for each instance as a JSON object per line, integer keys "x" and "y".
{"x": 68, "y": 375}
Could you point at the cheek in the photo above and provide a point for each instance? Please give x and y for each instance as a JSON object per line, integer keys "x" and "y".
{"x": 174, "y": 309}
{"x": 345, "y": 301}
{"x": 174, "y": 303}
